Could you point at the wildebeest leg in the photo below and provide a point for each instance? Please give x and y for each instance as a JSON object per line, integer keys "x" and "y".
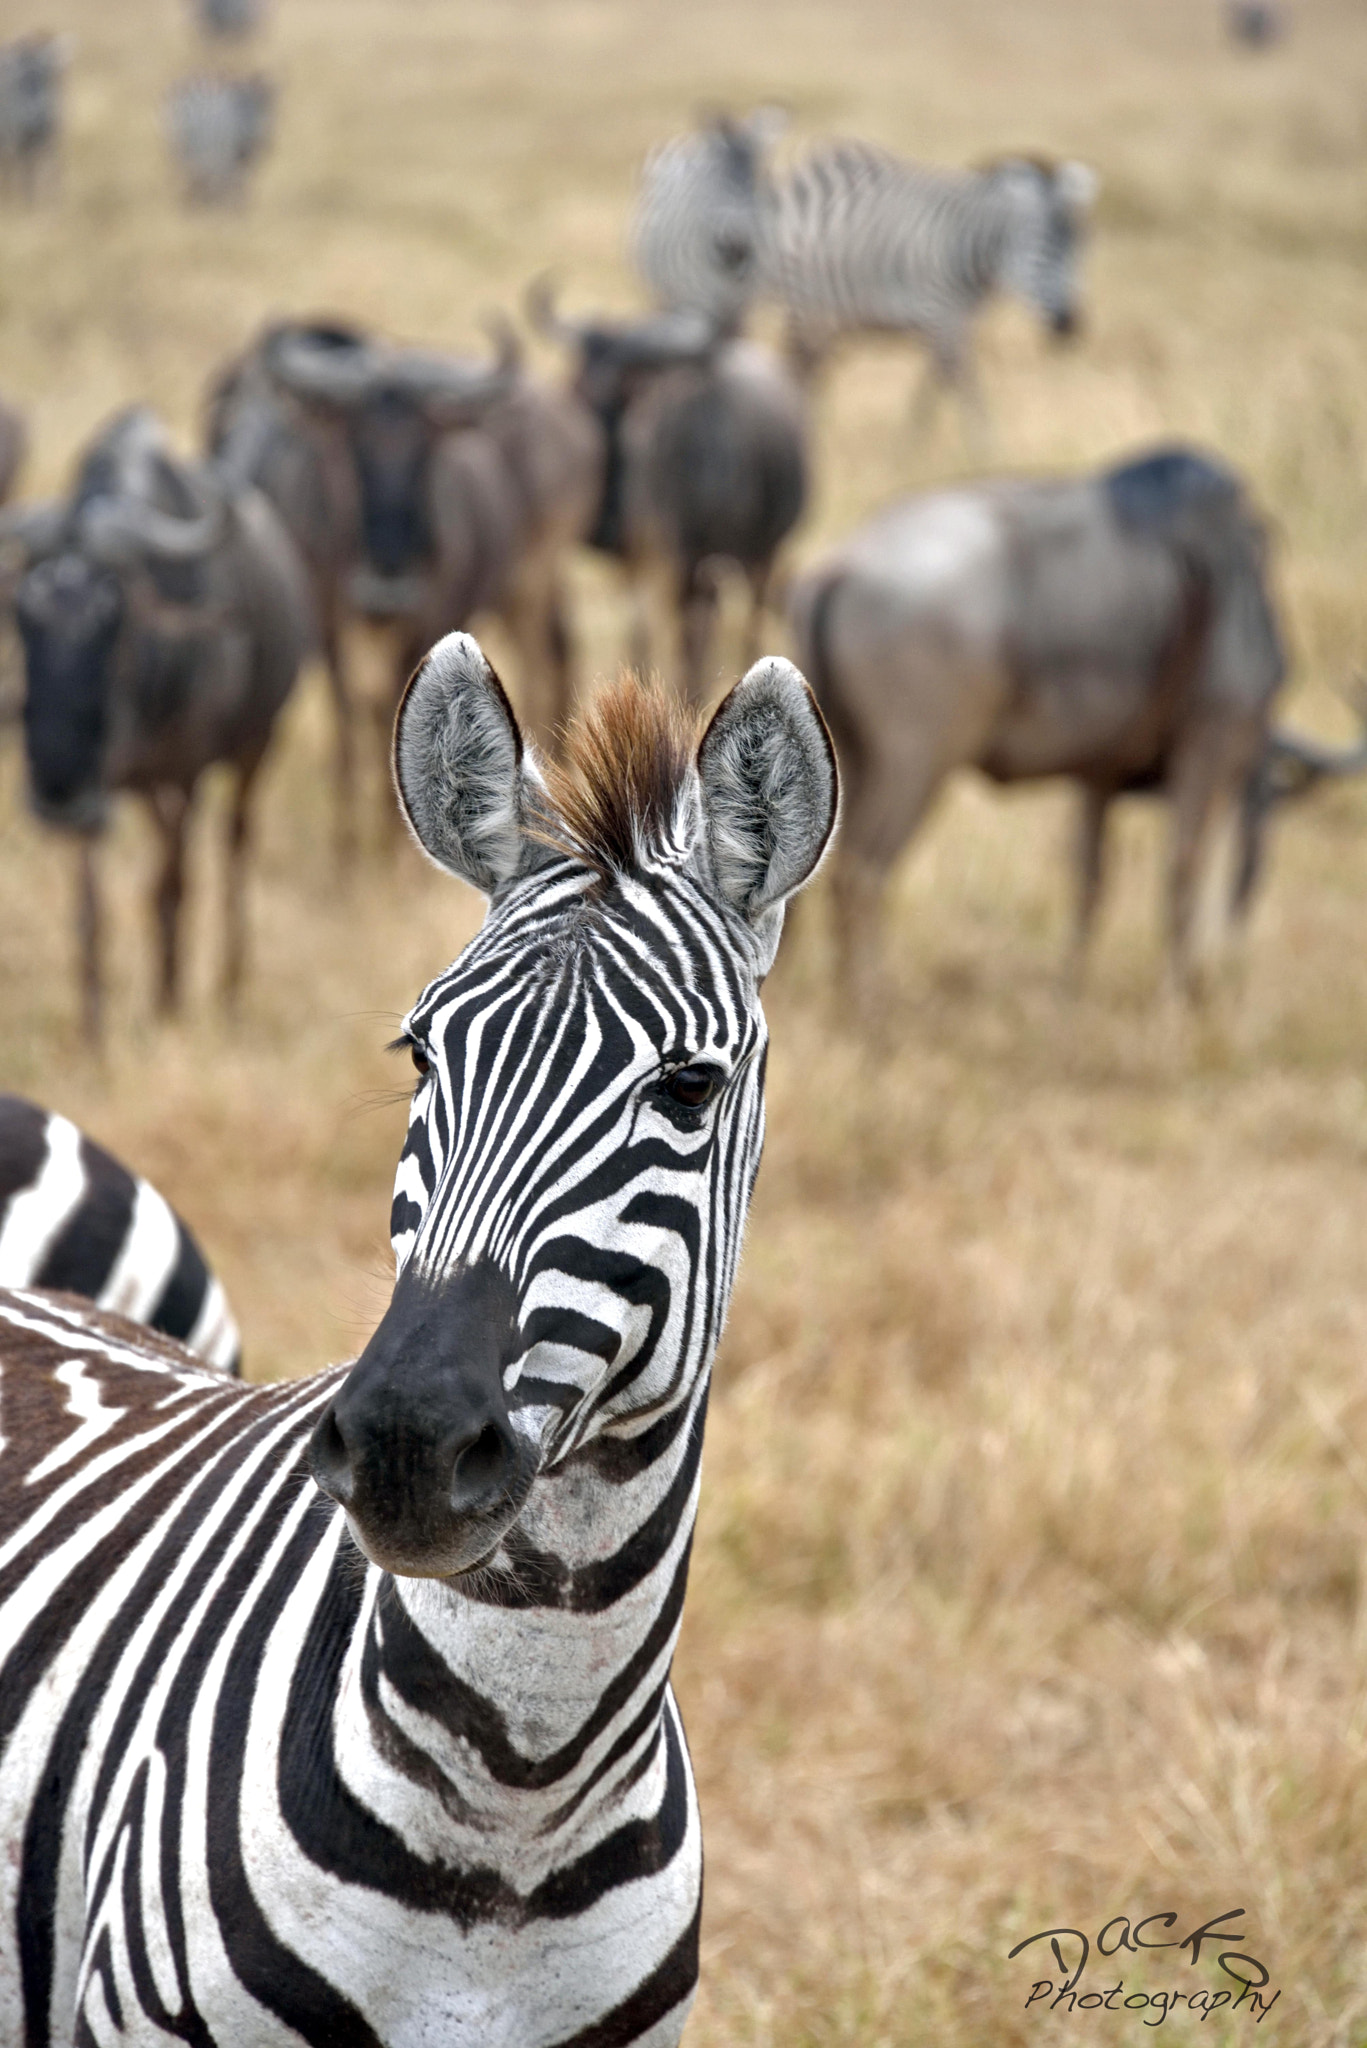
{"x": 759, "y": 598}
{"x": 697, "y": 624}
{"x": 90, "y": 930}
{"x": 1205, "y": 770}
{"x": 886, "y": 798}
{"x": 638, "y": 629}
{"x": 535, "y": 615}
{"x": 339, "y": 688}
{"x": 171, "y": 808}
{"x": 1093, "y": 813}
{"x": 235, "y": 882}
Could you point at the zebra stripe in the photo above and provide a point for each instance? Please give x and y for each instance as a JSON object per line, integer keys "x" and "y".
{"x": 697, "y": 230}
{"x": 262, "y": 1789}
{"x": 72, "y": 1218}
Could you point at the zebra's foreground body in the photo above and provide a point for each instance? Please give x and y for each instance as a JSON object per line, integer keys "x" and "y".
{"x": 263, "y": 1790}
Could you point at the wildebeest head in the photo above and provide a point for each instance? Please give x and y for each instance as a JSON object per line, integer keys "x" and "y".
{"x": 1046, "y": 207}
{"x": 69, "y": 611}
{"x": 394, "y": 404}
{"x": 1199, "y": 506}
{"x": 111, "y": 561}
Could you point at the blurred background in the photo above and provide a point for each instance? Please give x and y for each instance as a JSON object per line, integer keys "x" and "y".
{"x": 1029, "y": 1584}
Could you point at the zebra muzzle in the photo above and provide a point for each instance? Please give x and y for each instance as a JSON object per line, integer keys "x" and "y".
{"x": 417, "y": 1445}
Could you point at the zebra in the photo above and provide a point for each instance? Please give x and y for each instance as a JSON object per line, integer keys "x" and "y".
{"x": 393, "y": 1758}
{"x": 31, "y": 71}
{"x": 861, "y": 240}
{"x": 72, "y": 1217}
{"x": 217, "y": 128}
{"x": 697, "y": 231}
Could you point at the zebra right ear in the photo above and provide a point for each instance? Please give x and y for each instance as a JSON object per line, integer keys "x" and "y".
{"x": 461, "y": 770}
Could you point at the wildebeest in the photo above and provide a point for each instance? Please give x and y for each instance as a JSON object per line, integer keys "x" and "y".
{"x": 707, "y": 462}
{"x": 470, "y": 477}
{"x": 217, "y": 128}
{"x": 1114, "y": 628}
{"x": 163, "y": 619}
{"x": 258, "y": 433}
{"x": 31, "y": 108}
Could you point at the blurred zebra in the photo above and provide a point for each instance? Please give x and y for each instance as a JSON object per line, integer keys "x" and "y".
{"x": 73, "y": 1218}
{"x": 403, "y": 1765}
{"x": 862, "y": 241}
{"x": 31, "y": 108}
{"x": 1257, "y": 24}
{"x": 228, "y": 20}
{"x": 217, "y": 128}
{"x": 697, "y": 233}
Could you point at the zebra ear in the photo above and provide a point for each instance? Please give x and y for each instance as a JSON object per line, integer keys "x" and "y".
{"x": 461, "y": 770}
{"x": 769, "y": 792}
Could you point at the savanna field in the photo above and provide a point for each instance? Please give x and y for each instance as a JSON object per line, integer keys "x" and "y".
{"x": 1030, "y": 1586}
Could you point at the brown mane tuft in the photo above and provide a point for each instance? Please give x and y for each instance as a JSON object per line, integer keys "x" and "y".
{"x": 616, "y": 788}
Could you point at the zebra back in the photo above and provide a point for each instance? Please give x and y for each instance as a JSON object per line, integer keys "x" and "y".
{"x": 73, "y": 1219}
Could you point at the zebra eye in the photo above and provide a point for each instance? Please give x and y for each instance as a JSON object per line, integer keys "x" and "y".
{"x": 691, "y": 1087}
{"x": 419, "y": 1057}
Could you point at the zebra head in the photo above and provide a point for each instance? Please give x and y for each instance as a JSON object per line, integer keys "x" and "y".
{"x": 1045, "y": 207}
{"x": 588, "y": 1117}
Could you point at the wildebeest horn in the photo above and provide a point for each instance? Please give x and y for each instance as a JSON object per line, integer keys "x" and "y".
{"x": 335, "y": 370}
{"x": 539, "y": 304}
{"x": 112, "y": 527}
{"x": 28, "y": 531}
{"x": 450, "y": 386}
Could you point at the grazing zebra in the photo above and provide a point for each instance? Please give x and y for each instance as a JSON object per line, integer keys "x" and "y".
{"x": 697, "y": 233}
{"x": 861, "y": 240}
{"x": 31, "y": 107}
{"x": 259, "y": 1788}
{"x": 217, "y": 128}
{"x": 72, "y": 1217}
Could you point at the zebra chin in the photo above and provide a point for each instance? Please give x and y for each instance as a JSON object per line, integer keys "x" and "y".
{"x": 417, "y": 1446}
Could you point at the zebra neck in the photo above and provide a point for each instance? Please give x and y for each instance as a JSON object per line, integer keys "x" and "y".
{"x": 528, "y": 1704}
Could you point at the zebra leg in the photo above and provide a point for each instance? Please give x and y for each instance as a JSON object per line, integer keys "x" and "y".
{"x": 171, "y": 808}
{"x": 1091, "y": 874}
{"x": 90, "y": 931}
{"x": 235, "y": 883}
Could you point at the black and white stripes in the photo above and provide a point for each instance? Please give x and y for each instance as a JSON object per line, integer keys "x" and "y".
{"x": 73, "y": 1218}
{"x": 403, "y": 1767}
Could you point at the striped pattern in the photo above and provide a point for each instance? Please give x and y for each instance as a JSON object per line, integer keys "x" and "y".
{"x": 861, "y": 240}
{"x": 72, "y": 1218}
{"x": 697, "y": 230}
{"x": 31, "y": 71}
{"x": 261, "y": 1791}
{"x": 217, "y": 128}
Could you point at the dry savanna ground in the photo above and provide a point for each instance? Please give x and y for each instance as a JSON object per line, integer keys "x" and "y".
{"x": 1029, "y": 1587}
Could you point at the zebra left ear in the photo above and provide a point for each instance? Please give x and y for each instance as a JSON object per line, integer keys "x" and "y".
{"x": 462, "y": 773}
{"x": 770, "y": 794}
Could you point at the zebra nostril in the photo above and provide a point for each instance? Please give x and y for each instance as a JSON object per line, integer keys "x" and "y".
{"x": 481, "y": 1473}
{"x": 329, "y": 1459}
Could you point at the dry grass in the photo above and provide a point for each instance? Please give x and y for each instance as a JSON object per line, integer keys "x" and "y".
{"x": 1029, "y": 1587}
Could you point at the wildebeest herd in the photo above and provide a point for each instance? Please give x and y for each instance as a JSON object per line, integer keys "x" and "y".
{"x": 243, "y": 1775}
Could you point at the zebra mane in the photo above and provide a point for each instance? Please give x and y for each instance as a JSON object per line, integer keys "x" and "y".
{"x": 627, "y": 761}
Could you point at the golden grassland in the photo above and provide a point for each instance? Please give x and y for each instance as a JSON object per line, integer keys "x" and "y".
{"x": 1029, "y": 1585}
